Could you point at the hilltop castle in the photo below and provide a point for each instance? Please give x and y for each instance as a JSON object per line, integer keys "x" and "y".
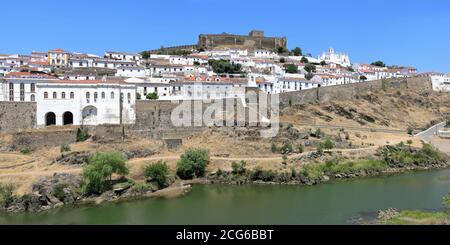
{"x": 254, "y": 40}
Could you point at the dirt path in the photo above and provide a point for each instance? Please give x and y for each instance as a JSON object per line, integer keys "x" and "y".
{"x": 79, "y": 169}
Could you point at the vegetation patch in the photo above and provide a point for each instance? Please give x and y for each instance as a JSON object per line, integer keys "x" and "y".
{"x": 417, "y": 217}
{"x": 157, "y": 172}
{"x": 98, "y": 173}
{"x": 193, "y": 163}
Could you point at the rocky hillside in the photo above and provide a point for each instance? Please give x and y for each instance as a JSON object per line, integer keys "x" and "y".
{"x": 392, "y": 109}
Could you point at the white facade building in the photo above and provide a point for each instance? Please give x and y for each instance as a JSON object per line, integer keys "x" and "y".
{"x": 67, "y": 102}
{"x": 21, "y": 86}
{"x": 123, "y": 71}
{"x": 441, "y": 82}
{"x": 123, "y": 56}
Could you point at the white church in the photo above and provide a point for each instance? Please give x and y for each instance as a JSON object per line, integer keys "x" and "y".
{"x": 336, "y": 58}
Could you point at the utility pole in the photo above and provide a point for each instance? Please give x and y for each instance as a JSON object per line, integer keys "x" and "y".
{"x": 120, "y": 112}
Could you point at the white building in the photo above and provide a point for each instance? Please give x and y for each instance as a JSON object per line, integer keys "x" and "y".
{"x": 123, "y": 56}
{"x": 286, "y": 84}
{"x": 21, "y": 86}
{"x": 336, "y": 58}
{"x": 123, "y": 71}
{"x": 88, "y": 102}
{"x": 260, "y": 53}
{"x": 441, "y": 82}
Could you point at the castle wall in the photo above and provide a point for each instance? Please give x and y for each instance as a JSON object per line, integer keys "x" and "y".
{"x": 15, "y": 116}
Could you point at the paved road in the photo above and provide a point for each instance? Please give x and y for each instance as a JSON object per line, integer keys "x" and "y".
{"x": 428, "y": 134}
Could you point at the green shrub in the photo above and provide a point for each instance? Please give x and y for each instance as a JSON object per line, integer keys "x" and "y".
{"x": 286, "y": 149}
{"x": 447, "y": 123}
{"x": 65, "y": 148}
{"x": 193, "y": 163}
{"x": 152, "y": 96}
{"x": 158, "y": 172}
{"x": 25, "y": 151}
{"x": 140, "y": 188}
{"x": 98, "y": 173}
{"x": 82, "y": 134}
{"x": 259, "y": 174}
{"x": 6, "y": 194}
{"x": 326, "y": 145}
{"x": 58, "y": 191}
{"x": 274, "y": 148}
{"x": 301, "y": 148}
{"x": 239, "y": 168}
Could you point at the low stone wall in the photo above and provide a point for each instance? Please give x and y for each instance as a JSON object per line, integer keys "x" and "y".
{"x": 107, "y": 133}
{"x": 351, "y": 91}
{"x": 32, "y": 140}
{"x": 16, "y": 116}
{"x": 444, "y": 134}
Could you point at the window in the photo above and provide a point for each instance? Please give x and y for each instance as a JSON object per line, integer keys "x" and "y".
{"x": 63, "y": 95}
{"x": 45, "y": 95}
{"x": 32, "y": 98}
{"x": 129, "y": 97}
{"x": 22, "y": 86}
{"x": 11, "y": 86}
{"x": 72, "y": 95}
{"x": 33, "y": 87}
{"x": 95, "y": 96}
{"x": 55, "y": 95}
{"x": 112, "y": 95}
{"x": 103, "y": 95}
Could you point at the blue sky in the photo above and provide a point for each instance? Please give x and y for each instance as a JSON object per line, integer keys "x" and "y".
{"x": 396, "y": 31}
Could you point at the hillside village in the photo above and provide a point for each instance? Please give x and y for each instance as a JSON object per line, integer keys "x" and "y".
{"x": 59, "y": 110}
{"x": 84, "y": 89}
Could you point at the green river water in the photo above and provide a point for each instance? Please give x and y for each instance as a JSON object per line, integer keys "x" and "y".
{"x": 331, "y": 203}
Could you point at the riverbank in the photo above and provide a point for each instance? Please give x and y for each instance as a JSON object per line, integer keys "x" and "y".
{"x": 336, "y": 203}
{"x": 69, "y": 190}
{"x": 388, "y": 160}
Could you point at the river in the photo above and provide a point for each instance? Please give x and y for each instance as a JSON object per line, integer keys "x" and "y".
{"x": 331, "y": 203}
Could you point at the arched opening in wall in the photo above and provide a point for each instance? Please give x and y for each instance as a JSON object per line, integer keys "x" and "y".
{"x": 50, "y": 119}
{"x": 67, "y": 118}
{"x": 89, "y": 115}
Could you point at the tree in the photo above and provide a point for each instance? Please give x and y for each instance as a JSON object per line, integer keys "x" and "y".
{"x": 193, "y": 163}
{"x": 309, "y": 76}
{"x": 304, "y": 60}
{"x": 225, "y": 66}
{"x": 6, "y": 194}
{"x": 297, "y": 51}
{"x": 145, "y": 55}
{"x": 98, "y": 173}
{"x": 281, "y": 50}
{"x": 362, "y": 77}
{"x": 310, "y": 68}
{"x": 138, "y": 96}
{"x": 157, "y": 172}
{"x": 196, "y": 63}
{"x": 350, "y": 69}
{"x": 282, "y": 60}
{"x": 447, "y": 123}
{"x": 152, "y": 96}
{"x": 238, "y": 167}
{"x": 291, "y": 68}
{"x": 323, "y": 63}
{"x": 378, "y": 63}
